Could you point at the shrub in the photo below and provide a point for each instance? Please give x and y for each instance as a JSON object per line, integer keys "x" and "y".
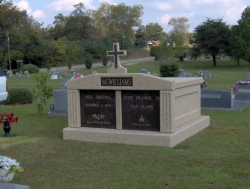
{"x": 30, "y": 68}
{"x": 104, "y": 60}
{"x": 153, "y": 51}
{"x": 20, "y": 96}
{"x": 88, "y": 61}
{"x": 42, "y": 93}
{"x": 158, "y": 52}
{"x": 169, "y": 70}
{"x": 14, "y": 71}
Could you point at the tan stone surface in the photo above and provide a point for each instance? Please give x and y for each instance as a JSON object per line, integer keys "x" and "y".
{"x": 74, "y": 116}
{"x": 145, "y": 138}
{"x": 140, "y": 82}
{"x": 180, "y": 111}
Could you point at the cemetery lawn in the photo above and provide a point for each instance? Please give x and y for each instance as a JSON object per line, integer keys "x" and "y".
{"x": 217, "y": 157}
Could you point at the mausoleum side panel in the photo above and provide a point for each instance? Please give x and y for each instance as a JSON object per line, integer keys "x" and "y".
{"x": 187, "y": 104}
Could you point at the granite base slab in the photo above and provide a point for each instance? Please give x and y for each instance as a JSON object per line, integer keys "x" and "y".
{"x": 135, "y": 137}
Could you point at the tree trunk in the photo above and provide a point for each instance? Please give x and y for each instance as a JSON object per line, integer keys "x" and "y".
{"x": 249, "y": 66}
{"x": 214, "y": 60}
{"x": 238, "y": 62}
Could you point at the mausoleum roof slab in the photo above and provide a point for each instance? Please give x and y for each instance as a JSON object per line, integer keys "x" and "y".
{"x": 130, "y": 81}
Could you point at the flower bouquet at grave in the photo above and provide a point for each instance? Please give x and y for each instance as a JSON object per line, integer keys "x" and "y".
{"x": 72, "y": 71}
{"x": 21, "y": 72}
{"x": 52, "y": 73}
{"x": 8, "y": 167}
{"x": 6, "y": 120}
{"x": 243, "y": 82}
{"x": 78, "y": 75}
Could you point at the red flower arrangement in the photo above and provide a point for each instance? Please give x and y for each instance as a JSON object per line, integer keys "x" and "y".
{"x": 6, "y": 119}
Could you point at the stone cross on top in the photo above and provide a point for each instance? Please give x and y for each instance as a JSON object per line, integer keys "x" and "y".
{"x": 116, "y": 53}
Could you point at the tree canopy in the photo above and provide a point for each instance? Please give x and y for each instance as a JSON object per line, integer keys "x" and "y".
{"x": 211, "y": 37}
{"x": 240, "y": 39}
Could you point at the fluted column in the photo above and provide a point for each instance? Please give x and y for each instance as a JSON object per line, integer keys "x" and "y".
{"x": 74, "y": 111}
{"x": 166, "y": 109}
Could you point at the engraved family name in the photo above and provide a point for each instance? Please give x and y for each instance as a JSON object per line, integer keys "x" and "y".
{"x": 116, "y": 81}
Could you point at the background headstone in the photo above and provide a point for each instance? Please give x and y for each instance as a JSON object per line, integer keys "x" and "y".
{"x": 206, "y": 74}
{"x": 58, "y": 73}
{"x": 188, "y": 74}
{"x": 181, "y": 74}
{"x": 72, "y": 74}
{"x": 60, "y": 102}
{"x": 8, "y": 75}
{"x": 53, "y": 76}
{"x": 242, "y": 92}
{"x": 64, "y": 84}
{"x": 212, "y": 98}
{"x": 64, "y": 74}
{"x": 248, "y": 76}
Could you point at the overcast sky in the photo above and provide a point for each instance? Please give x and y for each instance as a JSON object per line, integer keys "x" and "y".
{"x": 154, "y": 11}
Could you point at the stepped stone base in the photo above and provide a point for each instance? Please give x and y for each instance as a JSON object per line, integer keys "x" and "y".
{"x": 134, "y": 137}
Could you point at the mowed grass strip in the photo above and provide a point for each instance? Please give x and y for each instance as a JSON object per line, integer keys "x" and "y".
{"x": 217, "y": 157}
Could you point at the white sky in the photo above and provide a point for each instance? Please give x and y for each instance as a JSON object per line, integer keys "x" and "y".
{"x": 159, "y": 11}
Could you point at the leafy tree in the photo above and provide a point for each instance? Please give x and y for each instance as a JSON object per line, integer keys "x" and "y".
{"x": 236, "y": 42}
{"x": 180, "y": 28}
{"x": 178, "y": 36}
{"x": 211, "y": 37}
{"x": 72, "y": 52}
{"x": 154, "y": 31}
{"x": 100, "y": 21}
{"x": 122, "y": 19}
{"x": 59, "y": 56}
{"x": 10, "y": 15}
{"x": 243, "y": 37}
{"x": 141, "y": 37}
{"x": 41, "y": 93}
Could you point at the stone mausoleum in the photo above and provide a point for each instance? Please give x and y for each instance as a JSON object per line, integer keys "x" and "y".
{"x": 133, "y": 108}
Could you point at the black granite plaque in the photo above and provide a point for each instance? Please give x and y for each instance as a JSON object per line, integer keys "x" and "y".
{"x": 98, "y": 109}
{"x": 141, "y": 110}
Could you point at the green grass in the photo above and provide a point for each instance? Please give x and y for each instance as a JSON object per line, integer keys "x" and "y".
{"x": 217, "y": 157}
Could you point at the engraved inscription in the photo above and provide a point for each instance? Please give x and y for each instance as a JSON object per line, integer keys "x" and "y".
{"x": 116, "y": 81}
{"x": 98, "y": 109}
{"x": 141, "y": 110}
{"x": 210, "y": 96}
{"x": 244, "y": 90}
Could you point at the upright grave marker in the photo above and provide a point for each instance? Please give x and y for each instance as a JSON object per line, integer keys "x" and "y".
{"x": 213, "y": 98}
{"x": 133, "y": 108}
